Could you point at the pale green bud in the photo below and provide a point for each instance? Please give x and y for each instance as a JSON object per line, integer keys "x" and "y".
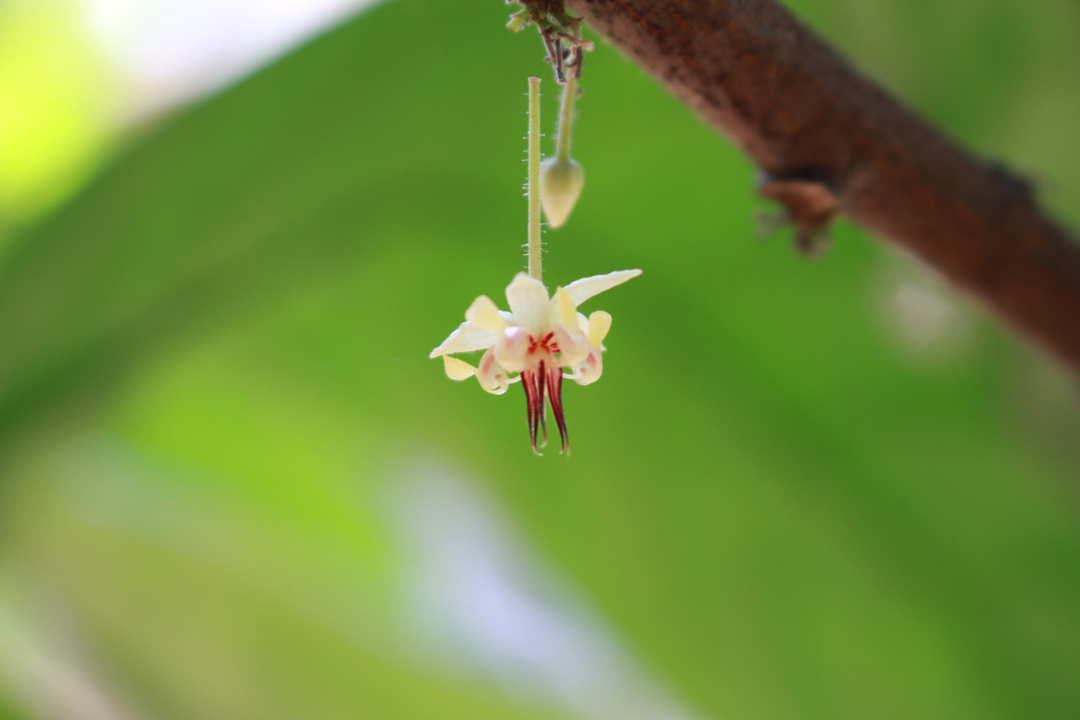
{"x": 560, "y": 186}
{"x": 517, "y": 21}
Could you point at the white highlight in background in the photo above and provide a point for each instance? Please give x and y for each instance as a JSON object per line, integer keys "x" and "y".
{"x": 172, "y": 51}
{"x": 478, "y": 601}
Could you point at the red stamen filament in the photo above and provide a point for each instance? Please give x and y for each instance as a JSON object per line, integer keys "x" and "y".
{"x": 538, "y": 382}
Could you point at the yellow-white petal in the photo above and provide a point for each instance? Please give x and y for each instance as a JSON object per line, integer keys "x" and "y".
{"x": 528, "y": 300}
{"x": 561, "y": 311}
{"x": 590, "y": 369}
{"x": 583, "y": 323}
{"x": 467, "y": 338}
{"x": 484, "y": 314}
{"x": 583, "y": 289}
{"x": 573, "y": 346}
{"x": 457, "y": 369}
{"x": 492, "y": 376}
{"x": 599, "y": 326}
{"x": 512, "y": 348}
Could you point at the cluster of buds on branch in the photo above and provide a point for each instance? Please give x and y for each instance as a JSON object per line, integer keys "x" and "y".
{"x": 560, "y": 32}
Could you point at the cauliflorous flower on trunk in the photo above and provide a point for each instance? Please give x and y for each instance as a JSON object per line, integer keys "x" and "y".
{"x": 535, "y": 342}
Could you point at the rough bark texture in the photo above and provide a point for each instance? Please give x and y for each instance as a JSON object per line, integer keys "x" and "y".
{"x": 828, "y": 140}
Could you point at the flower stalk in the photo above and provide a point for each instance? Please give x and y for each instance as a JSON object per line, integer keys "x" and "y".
{"x": 535, "y": 241}
{"x": 566, "y": 118}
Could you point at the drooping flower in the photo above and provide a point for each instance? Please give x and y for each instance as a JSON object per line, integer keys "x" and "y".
{"x": 533, "y": 343}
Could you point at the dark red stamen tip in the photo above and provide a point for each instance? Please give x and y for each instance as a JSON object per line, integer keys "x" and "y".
{"x": 540, "y": 384}
{"x": 532, "y": 399}
{"x": 554, "y": 383}
{"x": 537, "y": 383}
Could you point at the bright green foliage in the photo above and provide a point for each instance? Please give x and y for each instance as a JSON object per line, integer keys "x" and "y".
{"x": 214, "y": 374}
{"x": 55, "y": 96}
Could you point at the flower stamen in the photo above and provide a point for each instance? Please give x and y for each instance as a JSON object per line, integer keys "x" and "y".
{"x": 554, "y": 383}
{"x": 543, "y": 406}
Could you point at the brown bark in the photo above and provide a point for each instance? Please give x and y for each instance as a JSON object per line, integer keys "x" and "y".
{"x": 828, "y": 140}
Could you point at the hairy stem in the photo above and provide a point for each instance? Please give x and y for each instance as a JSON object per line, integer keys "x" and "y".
{"x": 535, "y": 248}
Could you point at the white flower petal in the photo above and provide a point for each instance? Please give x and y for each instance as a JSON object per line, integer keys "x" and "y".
{"x": 583, "y": 323}
{"x": 457, "y": 369}
{"x": 467, "y": 338}
{"x": 528, "y": 300}
{"x": 561, "y": 311}
{"x": 599, "y": 326}
{"x": 512, "y": 348}
{"x": 492, "y": 376}
{"x": 590, "y": 369}
{"x": 573, "y": 347}
{"x": 583, "y": 289}
{"x": 484, "y": 314}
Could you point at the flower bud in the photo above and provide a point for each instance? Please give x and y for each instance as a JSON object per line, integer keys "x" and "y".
{"x": 560, "y": 186}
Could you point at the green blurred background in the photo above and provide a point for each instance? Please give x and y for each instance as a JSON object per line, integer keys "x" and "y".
{"x": 234, "y": 486}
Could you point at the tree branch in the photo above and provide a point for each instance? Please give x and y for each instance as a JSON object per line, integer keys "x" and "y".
{"x": 828, "y": 140}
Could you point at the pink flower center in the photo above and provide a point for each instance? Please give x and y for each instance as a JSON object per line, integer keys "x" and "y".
{"x": 538, "y": 347}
